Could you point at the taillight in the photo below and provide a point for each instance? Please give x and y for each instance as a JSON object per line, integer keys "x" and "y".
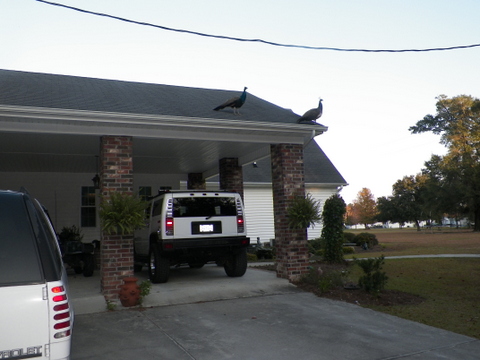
{"x": 58, "y": 289}
{"x": 169, "y": 226}
{"x": 61, "y": 315}
{"x": 240, "y": 224}
{"x": 240, "y": 221}
{"x": 58, "y": 298}
{"x": 62, "y": 325}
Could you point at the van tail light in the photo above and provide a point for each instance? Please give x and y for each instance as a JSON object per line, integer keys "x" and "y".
{"x": 61, "y": 313}
{"x": 240, "y": 224}
{"x": 169, "y": 226}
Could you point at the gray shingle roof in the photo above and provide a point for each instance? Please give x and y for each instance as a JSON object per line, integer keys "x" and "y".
{"x": 81, "y": 93}
{"x": 318, "y": 168}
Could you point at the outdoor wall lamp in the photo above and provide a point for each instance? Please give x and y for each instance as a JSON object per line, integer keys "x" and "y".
{"x": 96, "y": 181}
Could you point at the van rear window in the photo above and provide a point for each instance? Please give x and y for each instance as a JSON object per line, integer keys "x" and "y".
{"x": 19, "y": 262}
{"x": 204, "y": 206}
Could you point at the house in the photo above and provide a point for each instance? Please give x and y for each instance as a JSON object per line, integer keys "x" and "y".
{"x": 69, "y": 139}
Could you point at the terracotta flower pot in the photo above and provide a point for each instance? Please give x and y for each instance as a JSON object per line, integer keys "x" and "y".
{"x": 130, "y": 292}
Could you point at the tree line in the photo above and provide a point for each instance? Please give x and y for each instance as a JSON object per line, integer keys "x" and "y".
{"x": 448, "y": 185}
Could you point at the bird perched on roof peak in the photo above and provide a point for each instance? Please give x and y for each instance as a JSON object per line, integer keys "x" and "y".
{"x": 311, "y": 115}
{"x": 235, "y": 103}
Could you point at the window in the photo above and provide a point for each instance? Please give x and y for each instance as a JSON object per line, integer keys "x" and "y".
{"x": 144, "y": 192}
{"x": 88, "y": 210}
{"x": 204, "y": 207}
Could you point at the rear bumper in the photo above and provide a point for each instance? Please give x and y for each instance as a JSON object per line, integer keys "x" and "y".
{"x": 205, "y": 243}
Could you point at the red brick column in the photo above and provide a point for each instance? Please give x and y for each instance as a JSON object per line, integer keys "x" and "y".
{"x": 288, "y": 182}
{"x": 116, "y": 174}
{"x": 196, "y": 181}
{"x": 231, "y": 175}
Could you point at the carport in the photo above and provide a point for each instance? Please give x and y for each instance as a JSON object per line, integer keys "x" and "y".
{"x": 57, "y": 130}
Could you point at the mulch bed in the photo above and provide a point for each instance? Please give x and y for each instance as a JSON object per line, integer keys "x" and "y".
{"x": 354, "y": 295}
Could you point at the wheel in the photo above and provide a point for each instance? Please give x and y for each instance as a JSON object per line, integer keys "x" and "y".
{"x": 196, "y": 265}
{"x": 158, "y": 266}
{"x": 236, "y": 264}
{"x": 137, "y": 267}
{"x": 88, "y": 265}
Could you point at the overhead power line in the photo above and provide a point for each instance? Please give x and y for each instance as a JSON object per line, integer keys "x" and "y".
{"x": 256, "y": 40}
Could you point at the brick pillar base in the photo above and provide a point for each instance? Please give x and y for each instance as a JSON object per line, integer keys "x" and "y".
{"x": 116, "y": 175}
{"x": 116, "y": 263}
{"x": 287, "y": 183}
{"x": 196, "y": 181}
{"x": 231, "y": 175}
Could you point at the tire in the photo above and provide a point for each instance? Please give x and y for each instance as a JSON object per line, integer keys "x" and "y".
{"x": 236, "y": 264}
{"x": 137, "y": 267}
{"x": 196, "y": 265}
{"x": 88, "y": 265}
{"x": 158, "y": 266}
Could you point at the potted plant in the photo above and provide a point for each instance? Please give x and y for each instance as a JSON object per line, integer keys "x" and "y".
{"x": 122, "y": 214}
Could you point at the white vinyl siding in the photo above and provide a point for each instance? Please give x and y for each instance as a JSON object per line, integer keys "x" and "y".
{"x": 259, "y": 213}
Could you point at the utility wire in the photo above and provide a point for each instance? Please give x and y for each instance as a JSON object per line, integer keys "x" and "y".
{"x": 256, "y": 40}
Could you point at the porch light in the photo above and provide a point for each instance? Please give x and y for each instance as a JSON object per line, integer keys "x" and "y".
{"x": 96, "y": 181}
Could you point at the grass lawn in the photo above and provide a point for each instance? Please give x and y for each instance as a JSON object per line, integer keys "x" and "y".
{"x": 450, "y": 287}
{"x": 395, "y": 242}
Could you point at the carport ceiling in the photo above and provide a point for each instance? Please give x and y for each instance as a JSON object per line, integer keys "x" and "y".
{"x": 34, "y": 152}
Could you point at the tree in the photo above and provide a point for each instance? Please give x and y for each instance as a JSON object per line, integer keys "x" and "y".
{"x": 458, "y": 122}
{"x": 365, "y": 207}
{"x": 332, "y": 232}
{"x": 443, "y": 193}
{"x": 408, "y": 199}
{"x": 387, "y": 210}
{"x": 350, "y": 216}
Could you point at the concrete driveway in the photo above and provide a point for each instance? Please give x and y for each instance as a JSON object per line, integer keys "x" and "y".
{"x": 203, "y": 314}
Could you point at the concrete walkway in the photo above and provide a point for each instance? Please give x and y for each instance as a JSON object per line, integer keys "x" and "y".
{"x": 203, "y": 314}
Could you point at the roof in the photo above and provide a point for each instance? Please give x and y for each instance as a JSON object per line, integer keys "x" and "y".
{"x": 80, "y": 93}
{"x": 317, "y": 166}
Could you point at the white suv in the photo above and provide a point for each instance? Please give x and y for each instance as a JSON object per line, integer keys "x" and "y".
{"x": 193, "y": 227}
{"x": 36, "y": 315}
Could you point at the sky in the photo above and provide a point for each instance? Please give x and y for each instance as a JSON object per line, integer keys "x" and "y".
{"x": 370, "y": 99}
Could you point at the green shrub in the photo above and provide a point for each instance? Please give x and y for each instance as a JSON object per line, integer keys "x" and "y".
{"x": 373, "y": 280}
{"x": 324, "y": 281}
{"x": 320, "y": 252}
{"x": 348, "y": 250}
{"x": 348, "y": 237}
{"x": 366, "y": 238}
{"x": 71, "y": 233}
{"x": 333, "y": 212}
{"x": 251, "y": 257}
{"x": 314, "y": 245}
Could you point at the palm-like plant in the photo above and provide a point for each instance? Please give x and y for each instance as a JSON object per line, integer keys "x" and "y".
{"x": 303, "y": 212}
{"x": 122, "y": 214}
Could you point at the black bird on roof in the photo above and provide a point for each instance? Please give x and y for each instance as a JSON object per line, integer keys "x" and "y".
{"x": 311, "y": 115}
{"x": 235, "y": 102}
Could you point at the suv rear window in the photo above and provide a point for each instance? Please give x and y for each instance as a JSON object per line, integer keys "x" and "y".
{"x": 19, "y": 261}
{"x": 204, "y": 206}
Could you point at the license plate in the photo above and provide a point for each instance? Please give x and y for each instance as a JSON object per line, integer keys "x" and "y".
{"x": 206, "y": 228}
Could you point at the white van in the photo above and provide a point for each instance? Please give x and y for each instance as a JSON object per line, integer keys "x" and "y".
{"x": 193, "y": 227}
{"x": 36, "y": 317}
